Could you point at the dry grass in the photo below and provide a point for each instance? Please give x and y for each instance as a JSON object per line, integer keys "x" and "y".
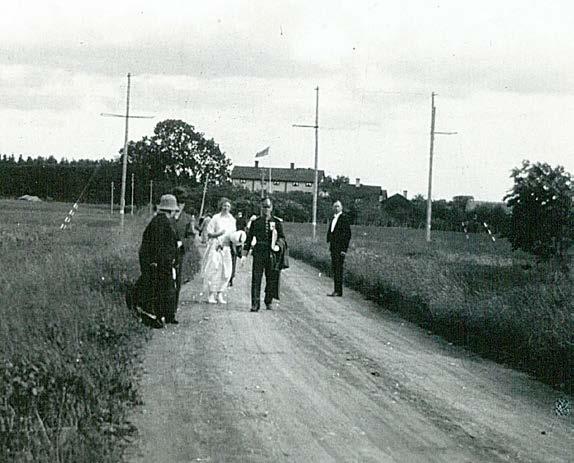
{"x": 471, "y": 291}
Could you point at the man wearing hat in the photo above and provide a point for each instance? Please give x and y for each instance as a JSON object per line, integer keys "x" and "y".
{"x": 158, "y": 256}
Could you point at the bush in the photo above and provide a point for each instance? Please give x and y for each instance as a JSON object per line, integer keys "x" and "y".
{"x": 542, "y": 211}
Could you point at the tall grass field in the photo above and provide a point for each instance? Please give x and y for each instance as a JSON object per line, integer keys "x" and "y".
{"x": 68, "y": 344}
{"x": 472, "y": 291}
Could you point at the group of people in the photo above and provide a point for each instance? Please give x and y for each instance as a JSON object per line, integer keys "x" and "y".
{"x": 171, "y": 234}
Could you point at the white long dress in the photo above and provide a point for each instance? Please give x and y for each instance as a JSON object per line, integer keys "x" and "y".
{"x": 216, "y": 265}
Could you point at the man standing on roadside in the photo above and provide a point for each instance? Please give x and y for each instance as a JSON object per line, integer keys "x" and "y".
{"x": 338, "y": 237}
{"x": 262, "y": 229}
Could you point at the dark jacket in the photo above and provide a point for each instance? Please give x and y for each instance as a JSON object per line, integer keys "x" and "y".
{"x": 339, "y": 239}
{"x": 263, "y": 235}
{"x": 185, "y": 230}
{"x": 240, "y": 223}
{"x": 281, "y": 257}
{"x": 159, "y": 245}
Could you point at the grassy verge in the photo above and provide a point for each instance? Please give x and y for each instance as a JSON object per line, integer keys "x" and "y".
{"x": 471, "y": 291}
{"x": 69, "y": 347}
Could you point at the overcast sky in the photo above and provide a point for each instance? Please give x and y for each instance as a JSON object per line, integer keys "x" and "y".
{"x": 243, "y": 72}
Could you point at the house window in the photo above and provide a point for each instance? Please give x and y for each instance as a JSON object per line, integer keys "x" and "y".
{"x": 295, "y": 184}
{"x": 308, "y": 184}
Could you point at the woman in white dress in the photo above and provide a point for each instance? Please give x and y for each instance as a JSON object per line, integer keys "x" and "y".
{"x": 216, "y": 265}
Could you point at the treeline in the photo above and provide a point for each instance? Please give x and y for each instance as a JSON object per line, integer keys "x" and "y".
{"x": 65, "y": 180}
{"x": 395, "y": 212}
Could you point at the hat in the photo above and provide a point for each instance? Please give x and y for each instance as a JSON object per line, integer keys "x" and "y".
{"x": 168, "y": 203}
{"x": 238, "y": 237}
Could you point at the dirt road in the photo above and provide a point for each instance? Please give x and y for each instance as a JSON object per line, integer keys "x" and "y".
{"x": 319, "y": 379}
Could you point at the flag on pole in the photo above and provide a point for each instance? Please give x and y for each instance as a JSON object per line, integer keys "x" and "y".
{"x": 262, "y": 153}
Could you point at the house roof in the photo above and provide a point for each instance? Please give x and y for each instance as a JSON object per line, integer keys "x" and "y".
{"x": 363, "y": 190}
{"x": 397, "y": 200}
{"x": 280, "y": 174}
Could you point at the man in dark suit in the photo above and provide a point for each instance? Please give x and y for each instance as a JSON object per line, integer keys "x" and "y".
{"x": 338, "y": 237}
{"x": 262, "y": 230}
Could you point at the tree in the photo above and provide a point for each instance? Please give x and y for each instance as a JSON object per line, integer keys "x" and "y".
{"x": 542, "y": 221}
{"x": 179, "y": 154}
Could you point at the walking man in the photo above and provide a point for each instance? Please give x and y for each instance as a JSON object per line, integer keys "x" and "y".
{"x": 338, "y": 237}
{"x": 262, "y": 229}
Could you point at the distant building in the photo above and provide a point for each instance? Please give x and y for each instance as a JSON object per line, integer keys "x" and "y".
{"x": 283, "y": 180}
{"x": 462, "y": 200}
{"x": 397, "y": 210}
{"x": 472, "y": 204}
{"x": 397, "y": 201}
{"x": 361, "y": 191}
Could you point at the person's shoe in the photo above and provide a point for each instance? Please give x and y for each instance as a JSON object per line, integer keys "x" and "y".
{"x": 269, "y": 306}
{"x": 173, "y": 322}
{"x": 334, "y": 294}
{"x": 255, "y": 309}
{"x": 220, "y": 299}
{"x": 230, "y": 283}
{"x": 211, "y": 299}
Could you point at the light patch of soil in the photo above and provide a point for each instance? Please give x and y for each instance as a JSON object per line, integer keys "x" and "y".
{"x": 331, "y": 379}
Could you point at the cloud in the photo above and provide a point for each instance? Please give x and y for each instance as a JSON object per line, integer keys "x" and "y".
{"x": 218, "y": 61}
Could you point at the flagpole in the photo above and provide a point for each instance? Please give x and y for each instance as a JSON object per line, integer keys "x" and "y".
{"x": 261, "y": 154}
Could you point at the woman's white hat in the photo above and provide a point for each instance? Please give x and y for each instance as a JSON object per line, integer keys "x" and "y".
{"x": 238, "y": 237}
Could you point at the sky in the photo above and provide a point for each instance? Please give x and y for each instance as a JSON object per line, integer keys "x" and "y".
{"x": 243, "y": 72}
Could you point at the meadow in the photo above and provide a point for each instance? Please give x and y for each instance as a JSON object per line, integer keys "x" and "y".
{"x": 472, "y": 291}
{"x": 69, "y": 346}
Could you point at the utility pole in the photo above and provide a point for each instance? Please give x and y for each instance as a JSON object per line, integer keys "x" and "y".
{"x": 112, "y": 200}
{"x": 429, "y": 194}
{"x": 316, "y": 182}
{"x": 150, "y": 197}
{"x": 203, "y": 197}
{"x": 126, "y": 116}
{"x": 132, "y": 203}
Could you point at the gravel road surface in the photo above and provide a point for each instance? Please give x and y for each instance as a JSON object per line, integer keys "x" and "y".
{"x": 320, "y": 379}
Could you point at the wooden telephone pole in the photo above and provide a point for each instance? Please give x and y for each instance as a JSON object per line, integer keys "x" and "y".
{"x": 316, "y": 182}
{"x": 429, "y": 194}
{"x": 127, "y": 117}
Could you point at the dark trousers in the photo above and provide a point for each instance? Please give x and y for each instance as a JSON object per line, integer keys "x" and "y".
{"x": 235, "y": 253}
{"x": 262, "y": 262}
{"x": 337, "y": 261}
